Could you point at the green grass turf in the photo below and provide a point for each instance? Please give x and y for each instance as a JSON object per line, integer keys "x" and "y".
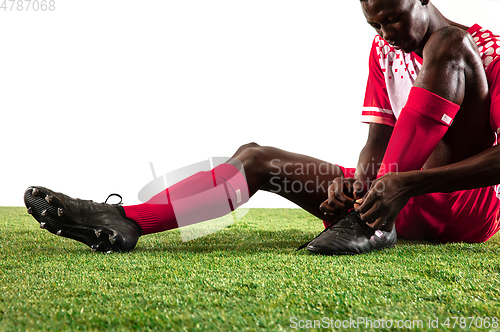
{"x": 245, "y": 277}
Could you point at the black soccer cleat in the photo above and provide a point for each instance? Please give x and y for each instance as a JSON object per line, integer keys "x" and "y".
{"x": 98, "y": 225}
{"x": 350, "y": 236}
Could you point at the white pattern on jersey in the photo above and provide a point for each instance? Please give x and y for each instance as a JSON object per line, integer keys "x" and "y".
{"x": 393, "y": 73}
{"x": 400, "y": 71}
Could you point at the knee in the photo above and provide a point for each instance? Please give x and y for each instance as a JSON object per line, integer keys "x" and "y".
{"x": 247, "y": 149}
{"x": 252, "y": 154}
{"x": 248, "y": 146}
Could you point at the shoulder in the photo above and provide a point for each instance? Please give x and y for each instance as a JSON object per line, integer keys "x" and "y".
{"x": 450, "y": 43}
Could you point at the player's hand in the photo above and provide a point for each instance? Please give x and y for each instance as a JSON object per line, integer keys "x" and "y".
{"x": 385, "y": 199}
{"x": 341, "y": 192}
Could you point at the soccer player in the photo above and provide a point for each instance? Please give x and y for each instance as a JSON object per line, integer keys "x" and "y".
{"x": 427, "y": 171}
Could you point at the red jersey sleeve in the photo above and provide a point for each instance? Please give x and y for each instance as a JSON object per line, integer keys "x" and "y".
{"x": 377, "y": 107}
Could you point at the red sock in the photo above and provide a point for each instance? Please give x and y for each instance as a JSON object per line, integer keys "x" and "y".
{"x": 200, "y": 197}
{"x": 422, "y": 124}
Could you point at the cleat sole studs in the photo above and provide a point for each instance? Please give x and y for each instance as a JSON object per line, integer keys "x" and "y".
{"x": 43, "y": 225}
{"x": 30, "y": 210}
{"x": 60, "y": 212}
{"x": 35, "y": 192}
{"x": 98, "y": 232}
{"x": 49, "y": 199}
{"x": 113, "y": 239}
{"x": 59, "y": 232}
{"x": 44, "y": 213}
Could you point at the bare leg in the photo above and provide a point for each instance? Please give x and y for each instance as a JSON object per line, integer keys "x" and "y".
{"x": 301, "y": 179}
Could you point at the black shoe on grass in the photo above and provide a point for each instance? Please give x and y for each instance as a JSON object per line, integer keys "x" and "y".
{"x": 349, "y": 235}
{"x": 98, "y": 225}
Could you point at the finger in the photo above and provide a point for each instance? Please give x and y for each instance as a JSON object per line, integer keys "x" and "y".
{"x": 368, "y": 201}
{"x": 336, "y": 189}
{"x": 347, "y": 188}
{"x": 341, "y": 196}
{"x": 370, "y": 215}
{"x": 332, "y": 188}
{"x": 378, "y": 223}
{"x": 328, "y": 212}
{"x": 389, "y": 224}
{"x": 332, "y": 212}
{"x": 359, "y": 189}
{"x": 336, "y": 204}
{"x": 330, "y": 216}
{"x": 324, "y": 207}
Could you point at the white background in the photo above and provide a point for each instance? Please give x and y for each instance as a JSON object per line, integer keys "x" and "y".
{"x": 92, "y": 92}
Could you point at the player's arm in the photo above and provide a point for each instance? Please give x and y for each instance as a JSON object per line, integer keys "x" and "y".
{"x": 481, "y": 170}
{"x": 377, "y": 110}
{"x": 372, "y": 154}
{"x": 342, "y": 190}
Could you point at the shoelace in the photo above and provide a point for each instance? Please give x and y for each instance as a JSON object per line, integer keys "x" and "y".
{"x": 347, "y": 209}
{"x": 111, "y": 195}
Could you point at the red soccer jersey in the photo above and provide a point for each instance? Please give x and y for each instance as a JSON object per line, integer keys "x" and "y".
{"x": 393, "y": 72}
{"x": 466, "y": 215}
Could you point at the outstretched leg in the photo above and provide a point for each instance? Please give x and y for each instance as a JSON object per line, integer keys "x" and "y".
{"x": 301, "y": 179}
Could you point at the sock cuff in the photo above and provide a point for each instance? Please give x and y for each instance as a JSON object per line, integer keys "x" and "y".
{"x": 236, "y": 180}
{"x": 432, "y": 106}
{"x": 121, "y": 210}
{"x": 146, "y": 216}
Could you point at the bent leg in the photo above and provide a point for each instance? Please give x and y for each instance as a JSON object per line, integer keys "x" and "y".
{"x": 208, "y": 195}
{"x": 299, "y": 178}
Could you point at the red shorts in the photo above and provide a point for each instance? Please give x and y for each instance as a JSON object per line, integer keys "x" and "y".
{"x": 461, "y": 216}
